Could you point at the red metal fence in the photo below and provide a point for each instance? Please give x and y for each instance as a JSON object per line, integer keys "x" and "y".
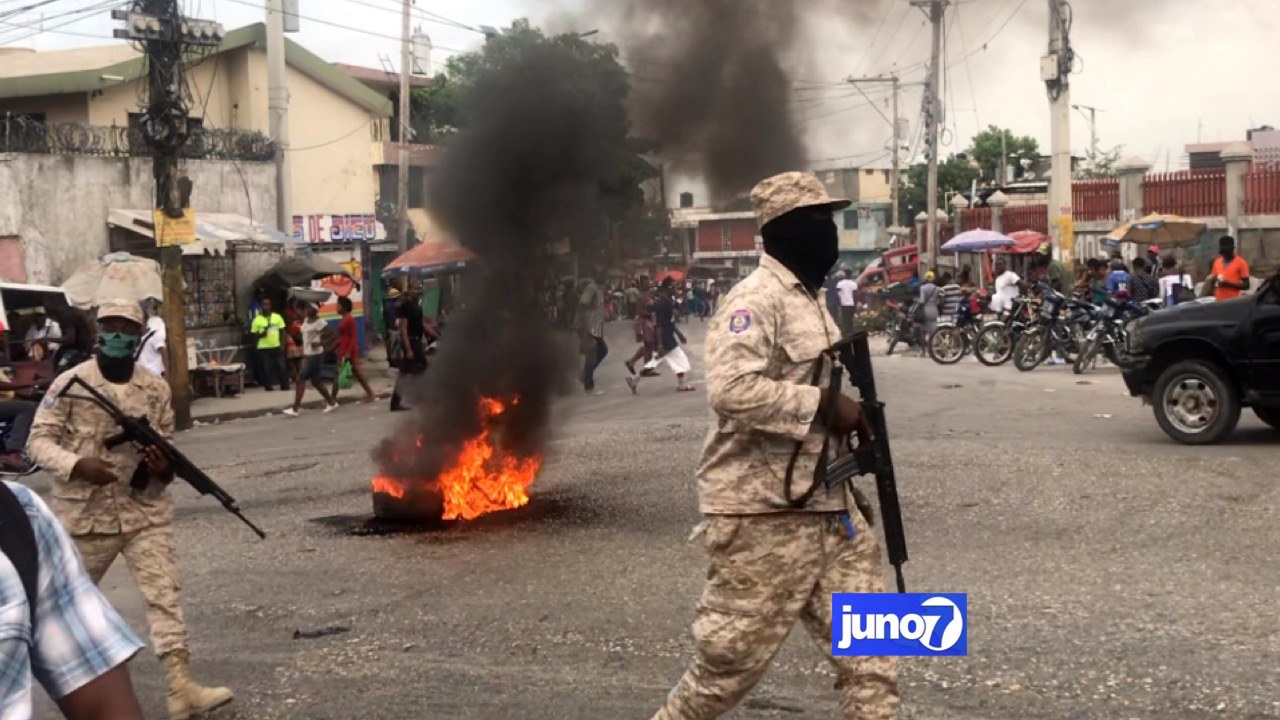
{"x": 1025, "y": 217}
{"x": 1096, "y": 199}
{"x": 1193, "y": 194}
{"x": 975, "y": 218}
{"x": 1262, "y": 192}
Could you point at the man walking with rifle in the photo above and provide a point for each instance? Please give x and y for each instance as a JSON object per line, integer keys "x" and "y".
{"x": 779, "y": 539}
{"x": 100, "y": 503}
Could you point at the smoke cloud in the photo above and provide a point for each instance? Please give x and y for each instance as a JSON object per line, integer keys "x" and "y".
{"x": 714, "y": 81}
{"x": 524, "y": 175}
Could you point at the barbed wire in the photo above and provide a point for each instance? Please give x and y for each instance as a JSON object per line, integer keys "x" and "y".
{"x": 20, "y": 134}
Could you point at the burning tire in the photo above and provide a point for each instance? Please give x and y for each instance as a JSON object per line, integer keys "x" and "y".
{"x": 417, "y": 503}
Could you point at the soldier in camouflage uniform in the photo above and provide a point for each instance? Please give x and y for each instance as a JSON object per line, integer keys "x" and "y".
{"x": 777, "y": 553}
{"x": 93, "y": 499}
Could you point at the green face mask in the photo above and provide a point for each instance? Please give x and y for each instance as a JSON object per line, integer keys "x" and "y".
{"x": 118, "y": 344}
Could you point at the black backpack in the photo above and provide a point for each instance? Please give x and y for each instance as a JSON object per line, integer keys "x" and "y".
{"x": 18, "y": 542}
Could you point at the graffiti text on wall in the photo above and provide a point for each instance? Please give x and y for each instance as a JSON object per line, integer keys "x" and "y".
{"x": 337, "y": 228}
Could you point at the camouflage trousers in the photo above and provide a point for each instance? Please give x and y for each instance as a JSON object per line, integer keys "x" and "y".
{"x": 767, "y": 572}
{"x": 150, "y": 556}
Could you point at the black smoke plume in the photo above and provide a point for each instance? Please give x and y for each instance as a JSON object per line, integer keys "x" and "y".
{"x": 713, "y": 87}
{"x": 525, "y": 176}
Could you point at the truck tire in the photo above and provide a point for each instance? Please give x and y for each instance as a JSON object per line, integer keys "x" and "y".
{"x": 1268, "y": 415}
{"x": 1196, "y": 402}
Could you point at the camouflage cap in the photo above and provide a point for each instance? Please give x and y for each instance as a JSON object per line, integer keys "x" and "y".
{"x": 778, "y": 195}
{"x": 127, "y": 309}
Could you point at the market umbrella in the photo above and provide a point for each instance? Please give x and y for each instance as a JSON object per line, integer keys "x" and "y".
{"x": 1025, "y": 242}
{"x": 977, "y": 241}
{"x": 430, "y": 257}
{"x": 1166, "y": 231}
{"x": 676, "y": 275}
{"x": 118, "y": 276}
{"x": 299, "y": 270}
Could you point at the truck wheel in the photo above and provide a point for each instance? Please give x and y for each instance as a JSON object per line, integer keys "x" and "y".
{"x": 1196, "y": 403}
{"x": 1268, "y": 415}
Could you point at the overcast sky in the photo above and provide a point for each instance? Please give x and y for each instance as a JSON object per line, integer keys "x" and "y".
{"x": 1162, "y": 72}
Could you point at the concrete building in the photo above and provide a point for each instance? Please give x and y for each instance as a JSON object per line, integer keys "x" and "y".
{"x": 333, "y": 118}
{"x": 863, "y": 225}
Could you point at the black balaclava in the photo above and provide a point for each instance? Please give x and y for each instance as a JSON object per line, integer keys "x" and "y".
{"x": 805, "y": 242}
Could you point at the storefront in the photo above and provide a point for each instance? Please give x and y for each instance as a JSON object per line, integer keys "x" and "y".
{"x": 217, "y": 269}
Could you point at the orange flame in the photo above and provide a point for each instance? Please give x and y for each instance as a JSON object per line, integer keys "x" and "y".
{"x": 388, "y": 486}
{"x": 483, "y": 479}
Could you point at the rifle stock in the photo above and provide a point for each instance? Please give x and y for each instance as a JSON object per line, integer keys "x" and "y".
{"x": 855, "y": 356}
{"x": 138, "y": 430}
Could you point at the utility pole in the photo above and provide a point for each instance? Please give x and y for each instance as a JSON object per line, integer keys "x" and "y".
{"x": 162, "y": 32}
{"x": 897, "y": 136}
{"x": 1055, "y": 69}
{"x": 278, "y": 113}
{"x": 933, "y": 116}
{"x": 406, "y": 68}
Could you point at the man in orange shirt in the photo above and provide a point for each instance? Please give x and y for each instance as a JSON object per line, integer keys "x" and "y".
{"x": 1230, "y": 273}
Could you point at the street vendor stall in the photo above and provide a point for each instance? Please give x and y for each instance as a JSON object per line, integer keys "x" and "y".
{"x": 439, "y": 267}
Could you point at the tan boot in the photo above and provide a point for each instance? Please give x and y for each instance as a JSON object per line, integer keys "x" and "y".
{"x": 186, "y": 698}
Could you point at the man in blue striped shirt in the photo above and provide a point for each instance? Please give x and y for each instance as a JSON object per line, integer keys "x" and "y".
{"x": 72, "y": 642}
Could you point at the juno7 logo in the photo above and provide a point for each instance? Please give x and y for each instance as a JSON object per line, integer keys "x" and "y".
{"x": 903, "y": 624}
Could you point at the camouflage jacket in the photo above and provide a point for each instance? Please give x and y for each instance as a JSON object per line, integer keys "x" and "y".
{"x": 67, "y": 429}
{"x": 761, "y": 351}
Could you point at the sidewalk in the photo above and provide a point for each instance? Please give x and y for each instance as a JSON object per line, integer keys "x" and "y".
{"x": 256, "y": 402}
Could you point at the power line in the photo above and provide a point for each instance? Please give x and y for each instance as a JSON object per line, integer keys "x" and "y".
{"x": 876, "y": 37}
{"x": 84, "y": 15}
{"x": 426, "y": 16}
{"x": 968, "y": 68}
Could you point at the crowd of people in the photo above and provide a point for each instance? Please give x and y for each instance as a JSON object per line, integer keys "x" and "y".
{"x": 655, "y": 315}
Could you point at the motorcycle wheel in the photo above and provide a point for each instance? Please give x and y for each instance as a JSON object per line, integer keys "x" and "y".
{"x": 1031, "y": 349}
{"x": 948, "y": 345}
{"x": 1087, "y": 360}
{"x": 994, "y": 345}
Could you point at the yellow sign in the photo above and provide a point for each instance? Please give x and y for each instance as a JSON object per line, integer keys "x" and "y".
{"x": 174, "y": 231}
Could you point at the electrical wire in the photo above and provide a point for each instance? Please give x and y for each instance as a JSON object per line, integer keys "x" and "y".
{"x": 426, "y": 17}
{"x": 40, "y": 29}
{"x": 327, "y": 143}
{"x": 968, "y": 68}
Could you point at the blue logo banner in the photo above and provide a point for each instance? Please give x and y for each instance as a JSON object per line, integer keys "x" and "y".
{"x": 899, "y": 624}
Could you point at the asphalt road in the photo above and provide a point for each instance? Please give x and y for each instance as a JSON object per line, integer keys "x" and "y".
{"x": 1110, "y": 572}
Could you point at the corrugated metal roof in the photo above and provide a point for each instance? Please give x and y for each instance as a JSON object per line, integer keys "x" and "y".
{"x": 214, "y": 231}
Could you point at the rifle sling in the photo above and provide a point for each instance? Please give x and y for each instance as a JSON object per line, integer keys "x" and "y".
{"x": 820, "y": 468}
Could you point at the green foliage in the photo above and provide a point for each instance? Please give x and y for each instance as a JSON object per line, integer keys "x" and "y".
{"x": 953, "y": 174}
{"x": 469, "y": 90}
{"x": 986, "y": 150}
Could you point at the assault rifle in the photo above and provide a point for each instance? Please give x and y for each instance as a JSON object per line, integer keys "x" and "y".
{"x": 138, "y": 430}
{"x": 855, "y": 358}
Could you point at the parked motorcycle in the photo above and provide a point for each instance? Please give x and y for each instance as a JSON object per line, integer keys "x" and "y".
{"x": 1060, "y": 325}
{"x": 901, "y": 326}
{"x": 955, "y": 338}
{"x": 1108, "y": 336}
{"x": 994, "y": 342}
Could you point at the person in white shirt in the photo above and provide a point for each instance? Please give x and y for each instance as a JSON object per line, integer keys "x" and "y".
{"x": 1172, "y": 280}
{"x": 1006, "y": 288}
{"x": 43, "y": 329}
{"x": 312, "y": 356}
{"x": 848, "y": 302}
{"x": 150, "y": 352}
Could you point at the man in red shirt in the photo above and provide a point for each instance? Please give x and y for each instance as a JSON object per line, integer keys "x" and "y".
{"x": 1230, "y": 273}
{"x": 349, "y": 348}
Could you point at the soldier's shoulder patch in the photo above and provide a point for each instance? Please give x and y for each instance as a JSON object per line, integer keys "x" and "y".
{"x": 739, "y": 321}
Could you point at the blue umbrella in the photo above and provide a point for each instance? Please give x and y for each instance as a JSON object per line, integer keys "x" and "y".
{"x": 977, "y": 241}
